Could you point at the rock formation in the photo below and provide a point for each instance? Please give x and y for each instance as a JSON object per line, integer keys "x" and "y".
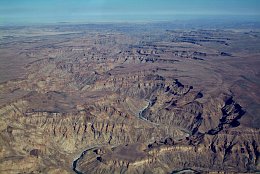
{"x": 115, "y": 103}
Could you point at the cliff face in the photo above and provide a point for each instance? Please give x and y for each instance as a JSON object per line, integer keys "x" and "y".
{"x": 212, "y": 143}
{"x": 117, "y": 104}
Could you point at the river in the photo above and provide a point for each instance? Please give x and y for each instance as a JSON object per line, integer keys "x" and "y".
{"x": 142, "y": 112}
{"x": 74, "y": 164}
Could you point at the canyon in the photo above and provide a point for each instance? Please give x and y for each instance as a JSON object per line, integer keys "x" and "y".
{"x": 129, "y": 98}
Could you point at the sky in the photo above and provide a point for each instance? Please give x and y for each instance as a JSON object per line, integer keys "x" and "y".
{"x": 86, "y": 11}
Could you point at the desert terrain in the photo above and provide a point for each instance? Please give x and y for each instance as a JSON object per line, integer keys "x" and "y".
{"x": 129, "y": 98}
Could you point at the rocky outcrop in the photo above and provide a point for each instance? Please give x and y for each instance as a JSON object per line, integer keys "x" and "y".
{"x": 115, "y": 103}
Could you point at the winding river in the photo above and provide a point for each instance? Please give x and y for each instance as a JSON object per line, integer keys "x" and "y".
{"x": 142, "y": 112}
{"x": 75, "y": 162}
{"x": 141, "y": 116}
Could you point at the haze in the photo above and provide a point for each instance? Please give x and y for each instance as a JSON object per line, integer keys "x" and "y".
{"x": 55, "y": 11}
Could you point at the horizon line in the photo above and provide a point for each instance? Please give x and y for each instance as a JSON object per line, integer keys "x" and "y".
{"x": 186, "y": 18}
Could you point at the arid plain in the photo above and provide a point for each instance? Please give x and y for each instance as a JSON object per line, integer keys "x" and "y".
{"x": 129, "y": 98}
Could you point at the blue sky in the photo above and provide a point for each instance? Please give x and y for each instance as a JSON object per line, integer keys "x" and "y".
{"x": 52, "y": 11}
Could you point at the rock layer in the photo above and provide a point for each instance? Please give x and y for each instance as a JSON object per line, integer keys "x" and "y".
{"x": 122, "y": 103}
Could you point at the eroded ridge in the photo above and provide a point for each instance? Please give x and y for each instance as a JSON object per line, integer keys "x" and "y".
{"x": 124, "y": 102}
